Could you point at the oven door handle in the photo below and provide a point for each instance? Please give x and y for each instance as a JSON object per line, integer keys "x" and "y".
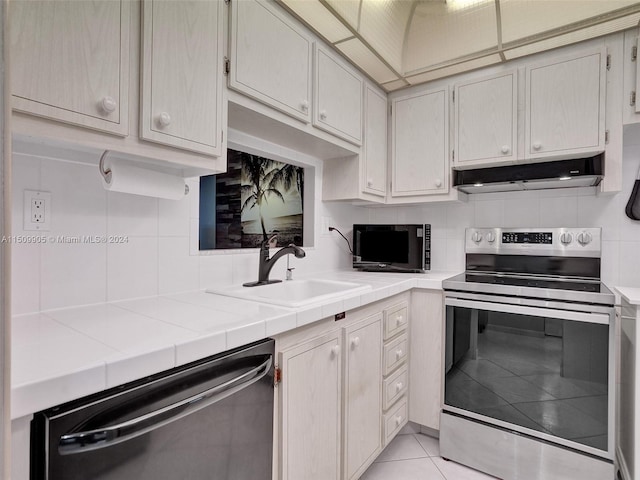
{"x": 527, "y": 310}
{"x": 103, "y": 437}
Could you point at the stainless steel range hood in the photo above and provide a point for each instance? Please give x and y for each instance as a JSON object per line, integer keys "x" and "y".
{"x": 579, "y": 172}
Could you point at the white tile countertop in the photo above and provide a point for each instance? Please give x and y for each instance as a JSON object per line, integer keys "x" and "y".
{"x": 61, "y": 355}
{"x": 630, "y": 294}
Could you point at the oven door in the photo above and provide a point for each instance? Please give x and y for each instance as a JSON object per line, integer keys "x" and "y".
{"x": 543, "y": 368}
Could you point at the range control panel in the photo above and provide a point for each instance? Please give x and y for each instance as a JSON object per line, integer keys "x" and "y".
{"x": 579, "y": 242}
{"x": 527, "y": 237}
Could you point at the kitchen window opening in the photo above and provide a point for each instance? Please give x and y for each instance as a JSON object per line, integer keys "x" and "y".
{"x": 255, "y": 198}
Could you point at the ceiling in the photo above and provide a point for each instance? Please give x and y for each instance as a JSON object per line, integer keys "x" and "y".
{"x": 399, "y": 43}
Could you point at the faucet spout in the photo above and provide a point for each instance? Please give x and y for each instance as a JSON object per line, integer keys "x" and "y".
{"x": 266, "y": 263}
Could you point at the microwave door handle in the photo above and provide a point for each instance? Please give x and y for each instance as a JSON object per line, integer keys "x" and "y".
{"x": 103, "y": 437}
{"x": 527, "y": 310}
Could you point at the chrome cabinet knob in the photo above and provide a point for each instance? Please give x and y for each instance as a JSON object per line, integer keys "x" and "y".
{"x": 566, "y": 238}
{"x": 108, "y": 105}
{"x": 476, "y": 237}
{"x": 164, "y": 119}
{"x": 584, "y": 238}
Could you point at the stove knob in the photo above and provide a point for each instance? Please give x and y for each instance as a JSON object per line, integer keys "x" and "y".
{"x": 491, "y": 237}
{"x": 566, "y": 238}
{"x": 476, "y": 237}
{"x": 584, "y": 238}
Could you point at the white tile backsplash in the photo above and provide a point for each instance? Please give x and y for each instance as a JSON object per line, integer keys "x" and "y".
{"x": 559, "y": 211}
{"x": 131, "y": 215}
{"x": 72, "y": 274}
{"x": 177, "y": 269}
{"x": 78, "y": 200}
{"x": 25, "y": 278}
{"x": 521, "y": 212}
{"x": 132, "y": 268}
{"x": 488, "y": 213}
{"x": 173, "y": 219}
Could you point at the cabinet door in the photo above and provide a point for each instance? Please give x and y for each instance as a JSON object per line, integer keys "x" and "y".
{"x": 565, "y": 106}
{"x": 363, "y": 395}
{"x": 270, "y": 58}
{"x": 374, "y": 169}
{"x": 311, "y": 409}
{"x": 426, "y": 357}
{"x": 181, "y": 74}
{"x": 486, "y": 125}
{"x": 420, "y": 144}
{"x": 338, "y": 98}
{"x": 70, "y": 61}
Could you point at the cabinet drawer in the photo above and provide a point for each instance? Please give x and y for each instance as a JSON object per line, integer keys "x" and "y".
{"x": 395, "y": 387}
{"x": 395, "y": 353}
{"x": 395, "y": 320}
{"x": 394, "y": 421}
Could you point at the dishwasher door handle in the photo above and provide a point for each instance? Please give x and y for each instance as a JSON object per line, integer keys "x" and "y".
{"x": 103, "y": 437}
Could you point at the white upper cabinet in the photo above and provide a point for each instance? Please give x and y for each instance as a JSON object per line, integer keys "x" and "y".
{"x": 270, "y": 58}
{"x": 70, "y": 61}
{"x": 486, "y": 126}
{"x": 337, "y": 100}
{"x": 420, "y": 143}
{"x": 374, "y": 153}
{"x": 182, "y": 61}
{"x": 565, "y": 111}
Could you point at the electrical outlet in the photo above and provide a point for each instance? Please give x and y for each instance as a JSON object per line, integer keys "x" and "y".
{"x": 37, "y": 211}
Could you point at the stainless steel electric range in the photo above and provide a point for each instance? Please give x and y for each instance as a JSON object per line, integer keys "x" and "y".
{"x": 529, "y": 360}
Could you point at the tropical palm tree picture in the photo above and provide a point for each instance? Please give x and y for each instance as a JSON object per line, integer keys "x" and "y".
{"x": 256, "y": 196}
{"x": 271, "y": 194}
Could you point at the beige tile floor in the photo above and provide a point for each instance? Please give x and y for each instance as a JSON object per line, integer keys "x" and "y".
{"x": 414, "y": 456}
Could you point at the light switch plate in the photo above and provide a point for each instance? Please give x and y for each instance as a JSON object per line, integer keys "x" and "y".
{"x": 37, "y": 211}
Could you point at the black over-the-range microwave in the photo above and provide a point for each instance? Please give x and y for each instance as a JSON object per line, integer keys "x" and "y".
{"x": 392, "y": 248}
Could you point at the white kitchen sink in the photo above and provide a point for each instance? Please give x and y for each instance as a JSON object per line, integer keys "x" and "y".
{"x": 294, "y": 293}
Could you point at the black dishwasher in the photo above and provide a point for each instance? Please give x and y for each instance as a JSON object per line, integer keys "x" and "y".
{"x": 211, "y": 419}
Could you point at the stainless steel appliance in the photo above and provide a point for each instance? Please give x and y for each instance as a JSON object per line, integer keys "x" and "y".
{"x": 529, "y": 362}
{"x": 392, "y": 248}
{"x": 210, "y": 419}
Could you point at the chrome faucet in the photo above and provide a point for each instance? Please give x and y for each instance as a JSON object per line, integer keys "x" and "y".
{"x": 266, "y": 264}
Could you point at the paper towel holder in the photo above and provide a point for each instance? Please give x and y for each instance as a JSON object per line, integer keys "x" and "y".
{"x": 106, "y": 172}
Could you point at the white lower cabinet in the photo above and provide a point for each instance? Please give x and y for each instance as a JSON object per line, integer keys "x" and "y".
{"x": 362, "y": 399}
{"x": 426, "y": 357}
{"x": 336, "y": 407}
{"x": 310, "y": 396}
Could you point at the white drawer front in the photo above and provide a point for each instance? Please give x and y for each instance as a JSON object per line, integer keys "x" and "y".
{"x": 395, "y": 321}
{"x": 394, "y": 421}
{"x": 395, "y": 353}
{"x": 395, "y": 387}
